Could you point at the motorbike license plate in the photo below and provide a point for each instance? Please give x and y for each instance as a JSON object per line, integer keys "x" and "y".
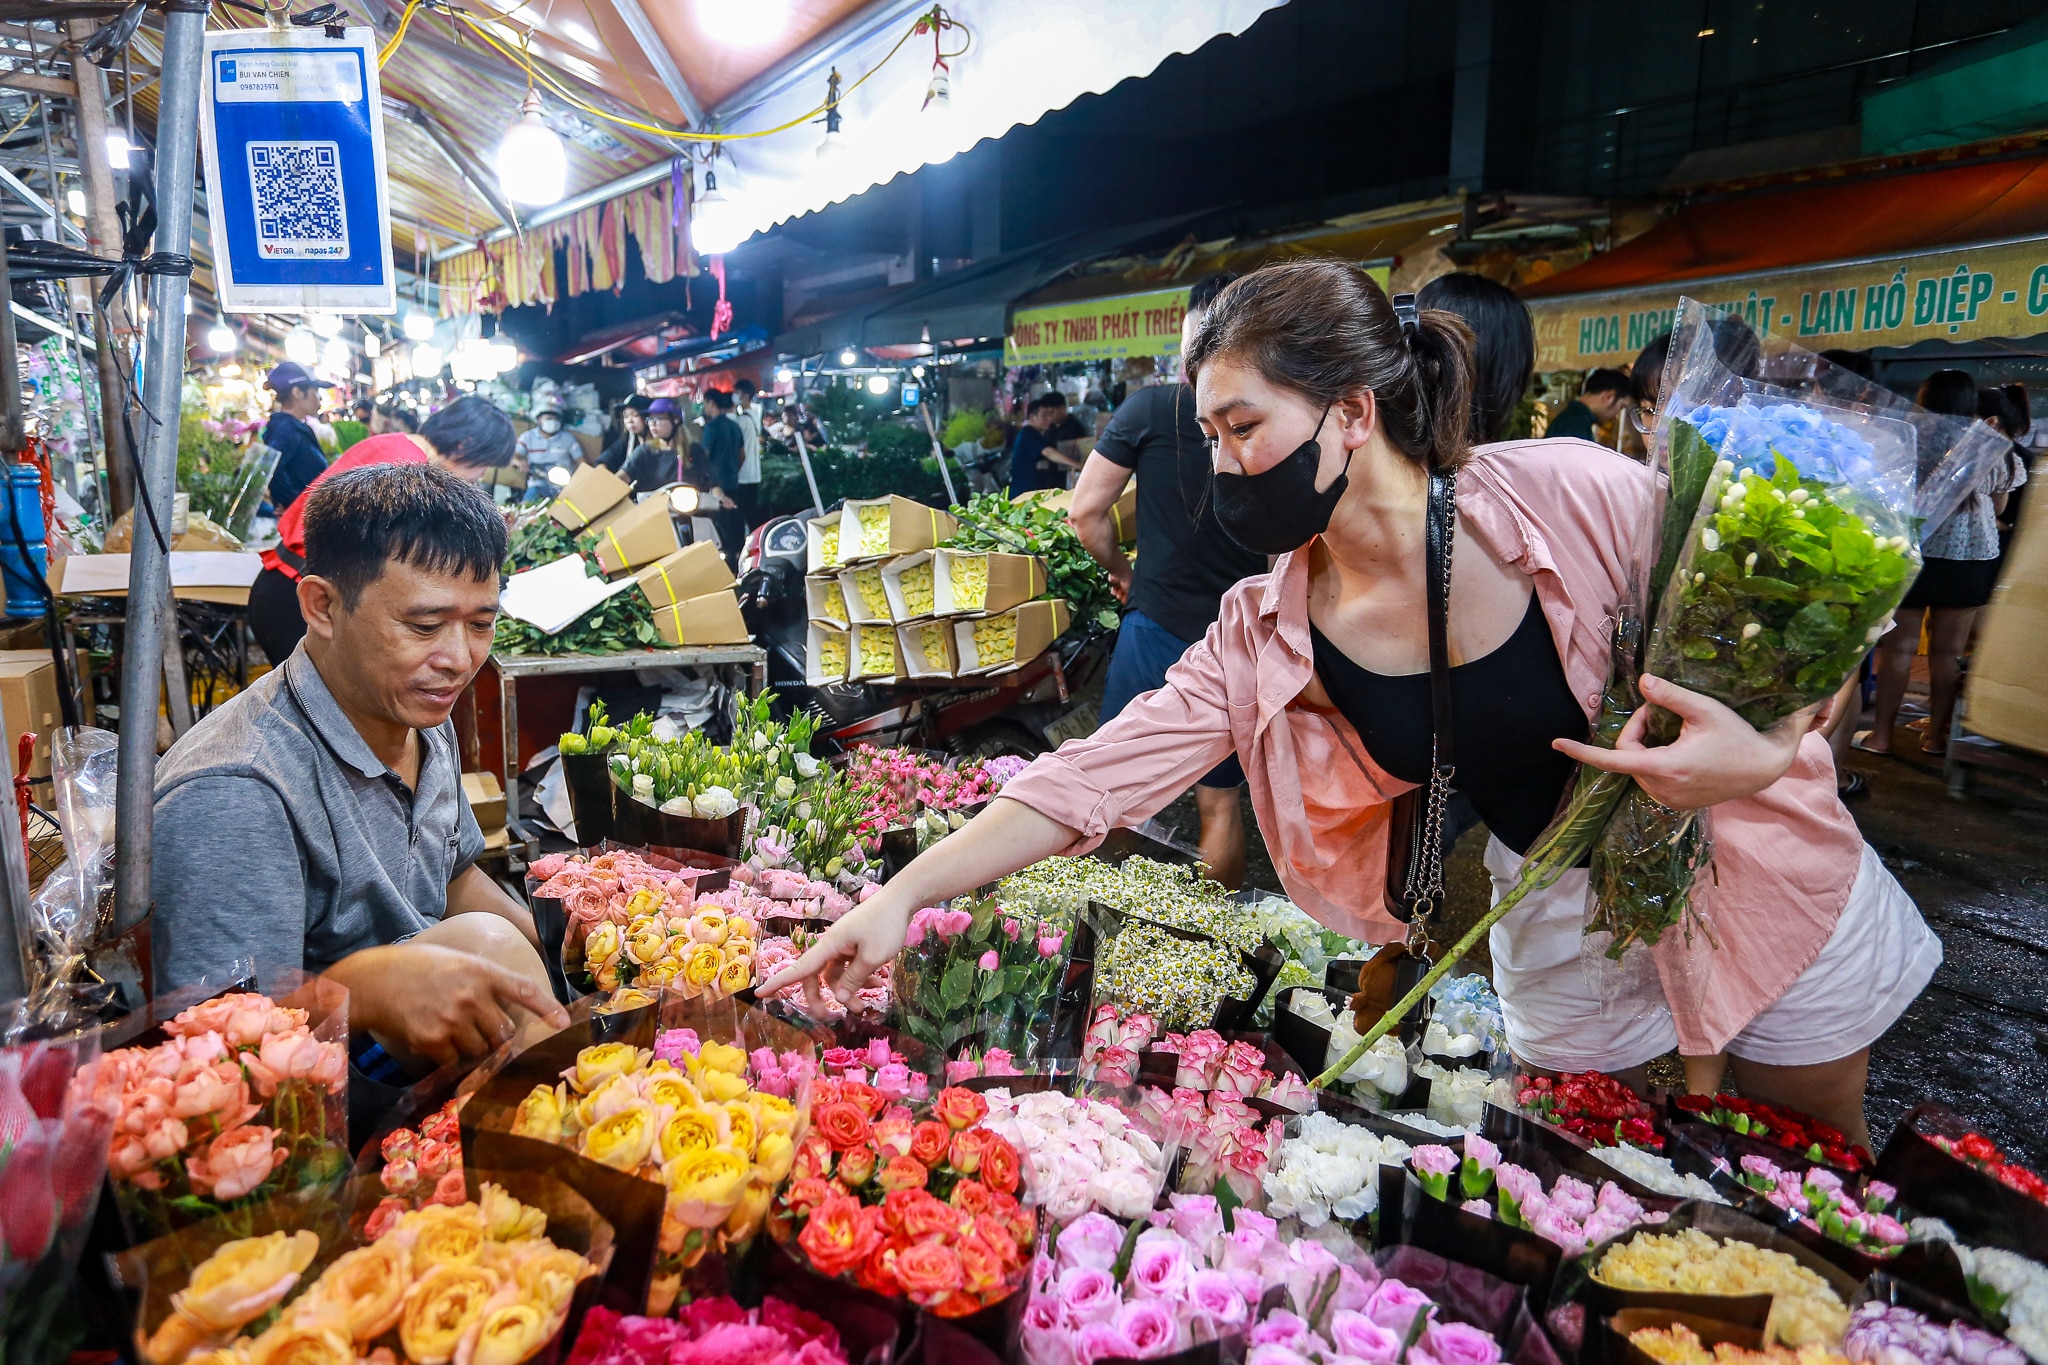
{"x": 1076, "y": 724}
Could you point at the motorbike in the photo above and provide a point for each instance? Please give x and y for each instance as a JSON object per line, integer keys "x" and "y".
{"x": 1025, "y": 712}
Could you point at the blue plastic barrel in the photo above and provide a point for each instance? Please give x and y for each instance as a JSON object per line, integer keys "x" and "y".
{"x": 24, "y": 576}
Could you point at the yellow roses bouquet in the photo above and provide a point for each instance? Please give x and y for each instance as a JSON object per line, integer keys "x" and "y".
{"x": 696, "y": 1096}
{"x": 699, "y": 949}
{"x": 478, "y": 1281}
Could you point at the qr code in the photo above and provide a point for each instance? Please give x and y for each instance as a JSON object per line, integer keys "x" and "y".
{"x": 296, "y": 187}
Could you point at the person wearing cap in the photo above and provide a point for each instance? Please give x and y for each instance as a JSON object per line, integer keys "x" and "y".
{"x": 659, "y": 460}
{"x": 299, "y": 457}
{"x": 545, "y": 446}
{"x": 470, "y": 437}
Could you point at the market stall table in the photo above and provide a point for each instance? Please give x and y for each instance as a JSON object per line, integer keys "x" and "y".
{"x": 510, "y": 668}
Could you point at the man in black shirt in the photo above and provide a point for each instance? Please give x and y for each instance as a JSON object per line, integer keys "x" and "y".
{"x": 299, "y": 457}
{"x": 1596, "y": 405}
{"x": 717, "y": 471}
{"x": 1185, "y": 563}
{"x": 1034, "y": 461}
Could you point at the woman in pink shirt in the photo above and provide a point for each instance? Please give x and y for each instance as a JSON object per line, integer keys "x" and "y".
{"x": 1327, "y": 411}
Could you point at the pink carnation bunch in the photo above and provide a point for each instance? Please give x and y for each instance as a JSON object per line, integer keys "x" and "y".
{"x": 1570, "y": 1213}
{"x": 1818, "y": 1197}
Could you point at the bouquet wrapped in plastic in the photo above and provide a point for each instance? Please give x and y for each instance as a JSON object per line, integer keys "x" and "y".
{"x": 1794, "y": 497}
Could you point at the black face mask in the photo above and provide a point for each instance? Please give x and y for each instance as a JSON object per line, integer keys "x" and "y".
{"x": 1280, "y": 510}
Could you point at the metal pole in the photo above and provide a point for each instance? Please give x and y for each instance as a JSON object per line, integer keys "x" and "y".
{"x": 103, "y": 231}
{"x": 803, "y": 456}
{"x": 931, "y": 429}
{"x": 163, "y": 378}
{"x": 13, "y": 857}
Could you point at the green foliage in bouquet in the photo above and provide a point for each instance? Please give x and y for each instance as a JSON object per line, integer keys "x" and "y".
{"x": 992, "y": 522}
{"x": 979, "y": 972}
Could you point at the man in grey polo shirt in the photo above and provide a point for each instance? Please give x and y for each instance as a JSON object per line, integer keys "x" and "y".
{"x": 318, "y": 819}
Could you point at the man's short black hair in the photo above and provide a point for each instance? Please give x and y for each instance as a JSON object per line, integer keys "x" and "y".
{"x": 438, "y": 522}
{"x": 400, "y": 417}
{"x": 719, "y": 398}
{"x": 1607, "y": 381}
{"x": 1038, "y": 405}
{"x": 747, "y": 387}
{"x": 1053, "y": 398}
{"x": 471, "y": 431}
{"x": 363, "y": 407}
{"x": 1207, "y": 288}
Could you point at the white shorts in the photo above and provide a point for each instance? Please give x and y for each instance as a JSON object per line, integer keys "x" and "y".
{"x": 1564, "y": 1013}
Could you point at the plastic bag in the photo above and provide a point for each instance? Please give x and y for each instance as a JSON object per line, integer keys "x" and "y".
{"x": 70, "y": 909}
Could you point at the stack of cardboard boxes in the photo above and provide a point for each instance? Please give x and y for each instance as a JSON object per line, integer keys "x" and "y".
{"x": 887, "y": 604}
{"x": 689, "y": 587}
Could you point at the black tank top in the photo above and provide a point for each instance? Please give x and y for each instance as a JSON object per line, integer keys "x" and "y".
{"x": 1505, "y": 710}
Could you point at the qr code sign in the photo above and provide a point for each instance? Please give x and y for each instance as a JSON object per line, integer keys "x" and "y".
{"x": 296, "y": 187}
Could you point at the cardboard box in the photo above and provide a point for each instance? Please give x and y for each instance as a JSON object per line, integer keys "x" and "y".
{"x": 591, "y": 491}
{"x": 196, "y": 575}
{"x": 820, "y": 671}
{"x": 1012, "y": 581}
{"x": 825, "y": 598}
{"x": 873, "y": 657}
{"x": 858, "y": 608}
{"x": 821, "y": 543}
{"x": 690, "y": 572}
{"x": 920, "y": 571}
{"x": 912, "y": 526}
{"x": 28, "y": 704}
{"x": 641, "y": 536}
{"x": 486, "y": 799}
{"x": 1038, "y": 624}
{"x": 926, "y": 649}
{"x": 1123, "y": 515}
{"x": 713, "y": 619}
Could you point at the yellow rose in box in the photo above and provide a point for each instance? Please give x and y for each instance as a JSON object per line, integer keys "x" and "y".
{"x": 294, "y": 1343}
{"x": 440, "y": 1310}
{"x": 603, "y": 946}
{"x": 239, "y": 1283}
{"x": 773, "y": 1157}
{"x": 597, "y": 1064}
{"x": 671, "y": 1091}
{"x": 745, "y": 1219}
{"x": 546, "y": 1275}
{"x": 442, "y": 1235}
{"x": 508, "y": 1220}
{"x": 542, "y": 1114}
{"x": 724, "y": 1057}
{"x": 970, "y": 583}
{"x": 874, "y": 530}
{"x": 874, "y": 598}
{"x": 705, "y": 1186}
{"x": 832, "y": 656}
{"x": 710, "y": 926}
{"x": 509, "y": 1335}
{"x": 691, "y": 1131}
{"x": 701, "y": 967}
{"x": 622, "y": 1141}
{"x": 741, "y": 927}
{"x": 363, "y": 1292}
{"x": 720, "y": 1086}
{"x": 916, "y": 582}
{"x": 739, "y": 1117}
{"x": 735, "y": 976}
{"x": 777, "y": 1115}
{"x": 662, "y": 973}
{"x": 647, "y": 942}
{"x": 738, "y": 946}
{"x": 607, "y": 1100}
{"x": 828, "y": 544}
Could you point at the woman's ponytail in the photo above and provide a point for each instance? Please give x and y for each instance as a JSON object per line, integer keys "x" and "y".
{"x": 1326, "y": 330}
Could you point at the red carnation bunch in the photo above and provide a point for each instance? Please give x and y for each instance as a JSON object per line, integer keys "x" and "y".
{"x": 1594, "y": 1106}
{"x": 917, "y": 1205}
{"x": 1977, "y": 1150}
{"x": 1786, "y": 1128}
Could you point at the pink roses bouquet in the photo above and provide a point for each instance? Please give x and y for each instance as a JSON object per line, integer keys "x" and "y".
{"x": 247, "y": 1099}
{"x": 1226, "y": 1139}
{"x": 421, "y": 1166}
{"x": 977, "y": 972}
{"x": 1081, "y": 1154}
{"x": 1109, "y": 1053}
{"x": 780, "y": 950}
{"x": 1203, "y": 1059}
{"x": 1569, "y": 1214}
{"x": 1817, "y": 1197}
{"x": 713, "y": 1331}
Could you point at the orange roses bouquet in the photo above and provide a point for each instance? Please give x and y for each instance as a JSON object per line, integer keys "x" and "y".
{"x": 919, "y": 1205}
{"x": 246, "y": 1098}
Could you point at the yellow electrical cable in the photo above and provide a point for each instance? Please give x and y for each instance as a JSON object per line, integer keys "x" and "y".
{"x": 542, "y": 76}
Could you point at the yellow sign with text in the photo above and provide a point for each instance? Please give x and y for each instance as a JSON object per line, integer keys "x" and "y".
{"x": 1959, "y": 294}
{"x": 1098, "y": 329}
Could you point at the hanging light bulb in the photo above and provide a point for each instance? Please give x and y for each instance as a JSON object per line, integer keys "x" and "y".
{"x": 335, "y": 356}
{"x": 533, "y": 166}
{"x": 419, "y": 326}
{"x": 326, "y": 326}
{"x": 878, "y": 384}
{"x": 119, "y": 149}
{"x": 222, "y": 339}
{"x": 848, "y": 356}
{"x": 301, "y": 346}
{"x": 426, "y": 361}
{"x": 714, "y": 229}
{"x": 74, "y": 199}
{"x": 938, "y": 92}
{"x": 372, "y": 345}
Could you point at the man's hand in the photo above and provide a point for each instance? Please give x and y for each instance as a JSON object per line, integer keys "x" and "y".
{"x": 1718, "y": 756}
{"x": 1120, "y": 578}
{"x": 436, "y": 1002}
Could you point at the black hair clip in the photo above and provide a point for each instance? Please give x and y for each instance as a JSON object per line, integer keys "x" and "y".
{"x": 1405, "y": 313}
